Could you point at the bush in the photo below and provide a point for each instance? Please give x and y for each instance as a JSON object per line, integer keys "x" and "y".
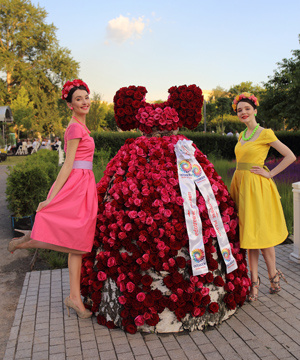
{"x": 216, "y": 145}
{"x": 112, "y": 141}
{"x": 28, "y": 183}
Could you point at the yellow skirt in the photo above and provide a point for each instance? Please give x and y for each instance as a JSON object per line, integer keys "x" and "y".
{"x": 261, "y": 219}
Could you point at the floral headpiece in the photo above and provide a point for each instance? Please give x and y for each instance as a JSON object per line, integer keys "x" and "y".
{"x": 244, "y": 95}
{"x": 70, "y": 84}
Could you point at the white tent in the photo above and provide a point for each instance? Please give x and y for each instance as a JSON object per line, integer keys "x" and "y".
{"x": 6, "y": 114}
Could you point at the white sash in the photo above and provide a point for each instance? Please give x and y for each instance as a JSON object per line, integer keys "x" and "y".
{"x": 190, "y": 173}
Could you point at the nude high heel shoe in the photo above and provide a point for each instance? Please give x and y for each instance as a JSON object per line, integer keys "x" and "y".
{"x": 15, "y": 242}
{"x": 275, "y": 282}
{"x": 86, "y": 314}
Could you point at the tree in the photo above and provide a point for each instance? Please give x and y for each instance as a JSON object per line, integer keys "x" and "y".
{"x": 281, "y": 102}
{"x": 95, "y": 119}
{"x": 110, "y": 118}
{"x": 219, "y": 92}
{"x": 245, "y": 86}
{"x": 223, "y": 106}
{"x": 30, "y": 56}
{"x": 23, "y": 111}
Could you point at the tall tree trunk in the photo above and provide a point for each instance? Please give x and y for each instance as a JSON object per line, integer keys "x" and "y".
{"x": 9, "y": 81}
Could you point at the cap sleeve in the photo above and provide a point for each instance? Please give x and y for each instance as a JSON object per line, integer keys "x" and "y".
{"x": 270, "y": 136}
{"x": 74, "y": 131}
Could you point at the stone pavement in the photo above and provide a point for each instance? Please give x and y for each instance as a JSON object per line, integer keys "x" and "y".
{"x": 267, "y": 329}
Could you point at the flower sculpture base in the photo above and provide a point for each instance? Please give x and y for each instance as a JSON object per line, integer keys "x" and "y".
{"x": 138, "y": 275}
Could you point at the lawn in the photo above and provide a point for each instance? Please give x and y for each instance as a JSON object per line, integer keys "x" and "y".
{"x": 13, "y": 160}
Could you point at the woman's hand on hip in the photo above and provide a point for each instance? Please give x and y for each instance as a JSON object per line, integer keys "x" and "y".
{"x": 260, "y": 171}
{"x": 42, "y": 205}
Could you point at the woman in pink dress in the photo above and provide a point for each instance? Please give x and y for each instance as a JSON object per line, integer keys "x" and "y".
{"x": 66, "y": 220}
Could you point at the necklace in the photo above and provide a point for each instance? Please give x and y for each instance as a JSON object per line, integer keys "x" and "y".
{"x": 253, "y": 132}
{"x": 81, "y": 124}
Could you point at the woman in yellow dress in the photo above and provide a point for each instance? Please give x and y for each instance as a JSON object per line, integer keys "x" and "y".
{"x": 261, "y": 219}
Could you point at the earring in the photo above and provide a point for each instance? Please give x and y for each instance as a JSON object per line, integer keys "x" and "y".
{"x": 255, "y": 114}
{"x": 71, "y": 108}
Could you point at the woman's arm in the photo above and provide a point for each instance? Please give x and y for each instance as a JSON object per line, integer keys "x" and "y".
{"x": 288, "y": 159}
{"x": 64, "y": 172}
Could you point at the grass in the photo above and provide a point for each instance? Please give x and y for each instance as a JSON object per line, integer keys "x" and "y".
{"x": 13, "y": 160}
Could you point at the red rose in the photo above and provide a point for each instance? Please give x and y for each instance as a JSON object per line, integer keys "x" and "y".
{"x": 153, "y": 321}
{"x": 213, "y": 307}
{"x": 180, "y": 313}
{"x": 209, "y": 277}
{"x": 131, "y": 329}
{"x": 110, "y": 325}
{"x": 196, "y": 298}
{"x": 156, "y": 294}
{"x": 146, "y": 280}
{"x": 218, "y": 281}
{"x": 101, "y": 320}
{"x": 181, "y": 262}
{"x": 205, "y": 300}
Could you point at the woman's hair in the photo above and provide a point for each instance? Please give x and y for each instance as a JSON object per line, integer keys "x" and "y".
{"x": 71, "y": 92}
{"x": 249, "y": 102}
{"x": 70, "y": 87}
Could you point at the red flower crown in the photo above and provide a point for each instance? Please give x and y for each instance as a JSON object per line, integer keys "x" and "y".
{"x": 244, "y": 95}
{"x": 183, "y": 108}
{"x": 70, "y": 84}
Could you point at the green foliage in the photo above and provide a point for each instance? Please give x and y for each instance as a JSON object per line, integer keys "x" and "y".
{"x": 28, "y": 183}
{"x": 230, "y": 122}
{"x": 23, "y": 110}
{"x": 55, "y": 260}
{"x": 216, "y": 145}
{"x": 101, "y": 159}
{"x": 280, "y": 104}
{"x": 112, "y": 141}
{"x": 31, "y": 57}
{"x": 110, "y": 118}
{"x": 95, "y": 119}
{"x": 210, "y": 144}
{"x": 291, "y": 139}
{"x": 246, "y": 86}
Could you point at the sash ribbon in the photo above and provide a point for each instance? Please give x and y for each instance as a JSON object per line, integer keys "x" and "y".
{"x": 190, "y": 173}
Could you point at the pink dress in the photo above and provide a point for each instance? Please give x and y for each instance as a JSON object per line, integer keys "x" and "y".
{"x": 70, "y": 219}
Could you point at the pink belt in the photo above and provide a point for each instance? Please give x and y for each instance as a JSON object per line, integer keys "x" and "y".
{"x": 82, "y": 164}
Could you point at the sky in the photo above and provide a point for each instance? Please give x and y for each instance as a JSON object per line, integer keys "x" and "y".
{"x": 162, "y": 43}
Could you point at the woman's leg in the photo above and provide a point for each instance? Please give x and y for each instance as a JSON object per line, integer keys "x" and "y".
{"x": 74, "y": 263}
{"x": 34, "y": 244}
{"x": 253, "y": 255}
{"x": 270, "y": 259}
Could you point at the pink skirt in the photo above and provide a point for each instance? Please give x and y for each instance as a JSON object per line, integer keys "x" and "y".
{"x": 70, "y": 219}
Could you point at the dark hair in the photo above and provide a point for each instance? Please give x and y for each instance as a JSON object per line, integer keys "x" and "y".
{"x": 247, "y": 101}
{"x": 71, "y": 92}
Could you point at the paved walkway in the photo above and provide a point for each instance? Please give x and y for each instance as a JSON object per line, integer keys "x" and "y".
{"x": 267, "y": 329}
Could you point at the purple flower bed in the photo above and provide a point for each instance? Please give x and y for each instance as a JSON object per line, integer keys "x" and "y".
{"x": 289, "y": 175}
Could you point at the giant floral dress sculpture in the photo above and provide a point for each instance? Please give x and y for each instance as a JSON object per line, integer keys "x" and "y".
{"x": 139, "y": 274}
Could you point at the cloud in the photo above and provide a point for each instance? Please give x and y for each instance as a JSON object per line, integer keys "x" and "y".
{"x": 122, "y": 28}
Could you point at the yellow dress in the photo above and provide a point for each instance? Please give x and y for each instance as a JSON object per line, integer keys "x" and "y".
{"x": 261, "y": 218}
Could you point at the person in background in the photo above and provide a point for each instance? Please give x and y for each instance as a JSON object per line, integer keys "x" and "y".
{"x": 261, "y": 219}
{"x": 66, "y": 220}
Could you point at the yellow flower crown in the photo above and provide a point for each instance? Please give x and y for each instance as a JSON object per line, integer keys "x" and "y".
{"x": 244, "y": 95}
